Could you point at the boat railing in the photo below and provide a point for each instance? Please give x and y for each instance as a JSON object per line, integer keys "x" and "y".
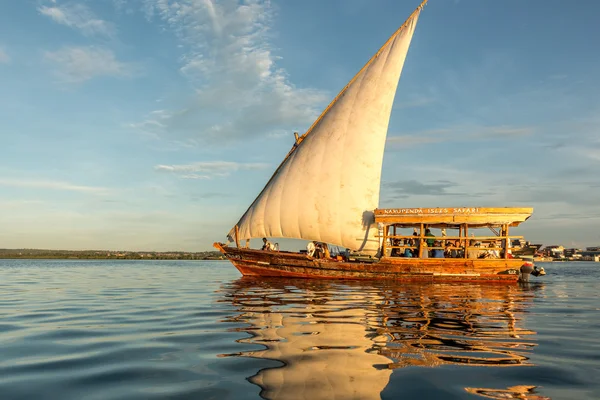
{"x": 455, "y": 237}
{"x": 460, "y": 243}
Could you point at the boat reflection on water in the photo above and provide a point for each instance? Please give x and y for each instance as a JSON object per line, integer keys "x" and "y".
{"x": 513, "y": 392}
{"x": 343, "y": 340}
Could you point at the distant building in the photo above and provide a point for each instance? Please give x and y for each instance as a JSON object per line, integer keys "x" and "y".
{"x": 554, "y": 251}
{"x": 591, "y": 254}
{"x": 572, "y": 253}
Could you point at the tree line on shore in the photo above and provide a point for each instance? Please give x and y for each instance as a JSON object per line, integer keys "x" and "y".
{"x": 110, "y": 254}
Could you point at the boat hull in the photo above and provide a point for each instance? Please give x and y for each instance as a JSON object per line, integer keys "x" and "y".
{"x": 297, "y": 265}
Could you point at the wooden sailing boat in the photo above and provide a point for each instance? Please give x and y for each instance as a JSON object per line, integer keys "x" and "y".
{"x": 327, "y": 190}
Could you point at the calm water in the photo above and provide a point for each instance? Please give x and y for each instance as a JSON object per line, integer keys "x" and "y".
{"x": 165, "y": 329}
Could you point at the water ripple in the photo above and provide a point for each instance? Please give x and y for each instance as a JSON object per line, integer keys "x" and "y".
{"x": 151, "y": 330}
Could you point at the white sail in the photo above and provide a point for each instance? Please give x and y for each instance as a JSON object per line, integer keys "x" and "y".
{"x": 328, "y": 186}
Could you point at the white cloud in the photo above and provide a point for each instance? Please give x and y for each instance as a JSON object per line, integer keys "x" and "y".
{"x": 209, "y": 169}
{"x": 18, "y": 204}
{"x": 53, "y": 185}
{"x": 79, "y": 64}
{"x": 4, "y": 57}
{"x": 239, "y": 91}
{"x": 79, "y": 16}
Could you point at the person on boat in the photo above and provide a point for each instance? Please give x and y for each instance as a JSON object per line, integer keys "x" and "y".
{"x": 437, "y": 252}
{"x": 326, "y": 253}
{"x": 318, "y": 250}
{"x": 395, "y": 250}
{"x": 505, "y": 250}
{"x": 473, "y": 252}
{"x": 492, "y": 252}
{"x": 424, "y": 251}
{"x": 267, "y": 245}
{"x": 449, "y": 252}
{"x": 310, "y": 248}
{"x": 408, "y": 253}
{"x": 322, "y": 250}
{"x": 414, "y": 242}
{"x": 430, "y": 242}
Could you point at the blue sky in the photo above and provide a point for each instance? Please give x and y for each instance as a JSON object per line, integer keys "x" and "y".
{"x": 153, "y": 124}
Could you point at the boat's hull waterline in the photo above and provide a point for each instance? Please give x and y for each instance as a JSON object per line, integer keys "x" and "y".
{"x": 298, "y": 265}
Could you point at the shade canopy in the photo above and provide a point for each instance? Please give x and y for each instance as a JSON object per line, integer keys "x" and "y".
{"x": 453, "y": 216}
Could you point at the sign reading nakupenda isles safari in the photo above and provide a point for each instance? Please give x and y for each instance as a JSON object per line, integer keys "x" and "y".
{"x": 453, "y": 215}
{"x": 428, "y": 211}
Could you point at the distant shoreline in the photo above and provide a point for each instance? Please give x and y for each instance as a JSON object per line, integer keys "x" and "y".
{"x": 36, "y": 254}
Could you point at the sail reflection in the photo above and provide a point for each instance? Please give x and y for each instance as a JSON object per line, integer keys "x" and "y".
{"x": 343, "y": 340}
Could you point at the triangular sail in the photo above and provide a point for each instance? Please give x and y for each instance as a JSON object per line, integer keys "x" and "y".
{"x": 328, "y": 186}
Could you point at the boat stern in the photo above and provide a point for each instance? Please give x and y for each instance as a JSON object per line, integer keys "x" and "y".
{"x": 529, "y": 268}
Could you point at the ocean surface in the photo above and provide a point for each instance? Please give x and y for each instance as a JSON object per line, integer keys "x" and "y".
{"x": 73, "y": 329}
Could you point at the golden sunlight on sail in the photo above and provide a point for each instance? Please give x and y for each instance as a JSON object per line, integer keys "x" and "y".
{"x": 328, "y": 186}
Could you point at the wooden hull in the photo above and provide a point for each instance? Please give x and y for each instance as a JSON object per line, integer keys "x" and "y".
{"x": 296, "y": 265}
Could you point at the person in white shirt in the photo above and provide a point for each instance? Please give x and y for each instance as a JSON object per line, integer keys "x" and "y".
{"x": 310, "y": 248}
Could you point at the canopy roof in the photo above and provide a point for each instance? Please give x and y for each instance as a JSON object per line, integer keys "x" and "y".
{"x": 453, "y": 216}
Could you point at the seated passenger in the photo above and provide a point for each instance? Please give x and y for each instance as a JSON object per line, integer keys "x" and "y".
{"x": 492, "y": 252}
{"x": 321, "y": 250}
{"x": 408, "y": 253}
{"x": 448, "y": 251}
{"x": 424, "y": 251}
{"x": 415, "y": 240}
{"x": 437, "y": 253}
{"x": 395, "y": 250}
{"x": 473, "y": 253}
{"x": 310, "y": 248}
{"x": 318, "y": 250}
{"x": 267, "y": 245}
{"x": 326, "y": 253}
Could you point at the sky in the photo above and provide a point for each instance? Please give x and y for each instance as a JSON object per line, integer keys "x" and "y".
{"x": 153, "y": 124}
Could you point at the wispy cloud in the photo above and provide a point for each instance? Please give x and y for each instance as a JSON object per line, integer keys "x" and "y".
{"x": 458, "y": 134}
{"x": 53, "y": 185}
{"x": 404, "y": 189}
{"x": 415, "y": 102}
{"x": 80, "y": 17}
{"x": 577, "y": 140}
{"x": 79, "y": 64}
{"x": 18, "y": 204}
{"x": 4, "y": 57}
{"x": 239, "y": 90}
{"x": 209, "y": 169}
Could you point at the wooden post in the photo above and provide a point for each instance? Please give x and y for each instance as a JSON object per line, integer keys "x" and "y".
{"x": 506, "y": 240}
{"x": 466, "y": 240}
{"x": 460, "y": 234}
{"x": 385, "y": 235}
{"x": 421, "y": 241}
{"x": 237, "y": 236}
{"x": 247, "y": 243}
